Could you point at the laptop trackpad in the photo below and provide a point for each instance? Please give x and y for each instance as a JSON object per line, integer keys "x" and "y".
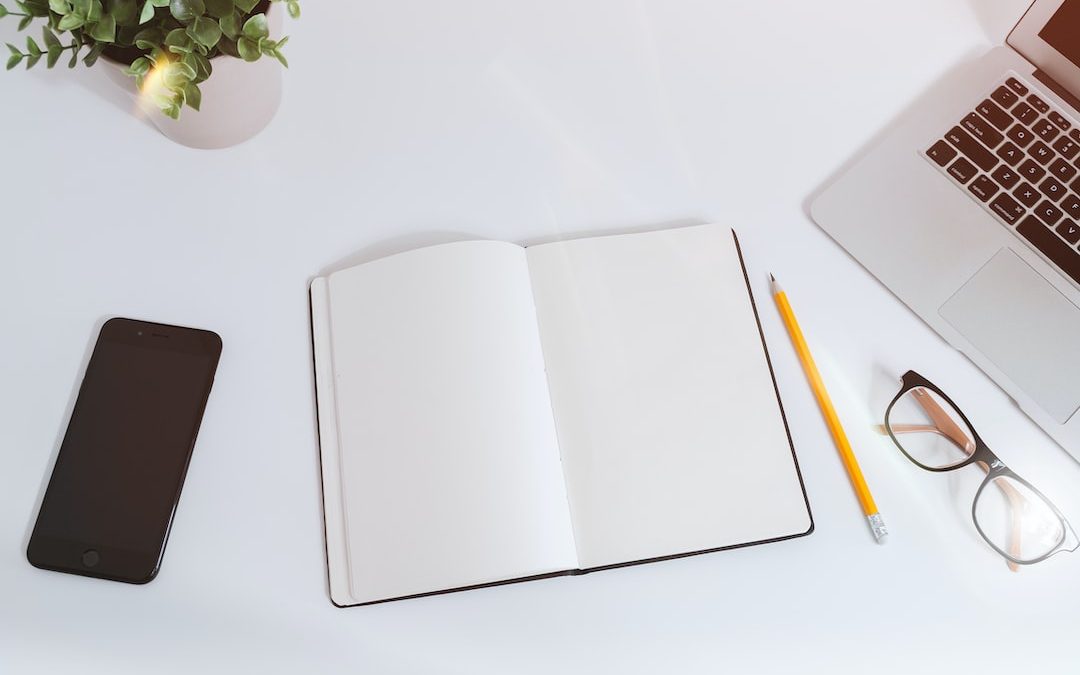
{"x": 1026, "y": 327}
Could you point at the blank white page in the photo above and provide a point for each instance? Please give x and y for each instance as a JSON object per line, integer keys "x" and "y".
{"x": 671, "y": 434}
{"x": 449, "y": 460}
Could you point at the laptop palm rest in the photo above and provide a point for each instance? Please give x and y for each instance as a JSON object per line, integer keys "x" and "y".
{"x": 1026, "y": 327}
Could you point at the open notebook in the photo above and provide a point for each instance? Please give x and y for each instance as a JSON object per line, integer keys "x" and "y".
{"x": 493, "y": 413}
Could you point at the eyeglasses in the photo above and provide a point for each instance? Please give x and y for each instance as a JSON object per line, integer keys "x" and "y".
{"x": 1017, "y": 520}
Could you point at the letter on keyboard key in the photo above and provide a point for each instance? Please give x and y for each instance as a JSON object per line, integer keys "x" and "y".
{"x": 1041, "y": 152}
{"x": 1027, "y": 195}
{"x": 1052, "y": 189}
{"x": 1059, "y": 121}
{"x": 1051, "y": 245}
{"x": 1071, "y": 206}
{"x": 1007, "y": 208}
{"x": 1010, "y": 153}
{"x": 1025, "y": 113}
{"x": 1069, "y": 230}
{"x": 971, "y": 148}
{"x": 1048, "y": 213}
{"x": 941, "y": 152}
{"x": 1063, "y": 170}
{"x": 1006, "y": 177}
{"x": 1032, "y": 171}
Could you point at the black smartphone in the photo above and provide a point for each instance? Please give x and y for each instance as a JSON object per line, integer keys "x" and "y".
{"x": 121, "y": 466}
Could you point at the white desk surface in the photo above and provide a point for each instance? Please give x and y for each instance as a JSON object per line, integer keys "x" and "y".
{"x": 406, "y": 123}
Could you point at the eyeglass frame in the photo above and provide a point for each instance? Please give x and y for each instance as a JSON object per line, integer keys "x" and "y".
{"x": 991, "y": 463}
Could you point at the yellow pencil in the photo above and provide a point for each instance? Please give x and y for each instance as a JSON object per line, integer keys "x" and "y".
{"x": 877, "y": 524}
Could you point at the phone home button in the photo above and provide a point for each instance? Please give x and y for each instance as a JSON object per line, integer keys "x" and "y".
{"x": 90, "y": 558}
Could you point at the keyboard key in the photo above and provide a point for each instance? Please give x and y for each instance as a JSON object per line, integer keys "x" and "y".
{"x": 1027, "y": 195}
{"x": 1006, "y": 177}
{"x": 1071, "y": 206}
{"x": 941, "y": 152}
{"x": 1076, "y": 186}
{"x": 972, "y": 149}
{"x": 994, "y": 114}
{"x": 1004, "y": 97}
{"x": 962, "y": 170}
{"x": 1069, "y": 230}
{"x": 1007, "y": 207}
{"x": 1016, "y": 86}
{"x": 978, "y": 127}
{"x": 1059, "y": 120}
{"x": 1075, "y": 135}
{"x": 1052, "y": 189}
{"x": 983, "y": 188}
{"x": 1051, "y": 245}
{"x": 1044, "y": 130}
{"x": 1010, "y": 153}
{"x": 1067, "y": 147}
{"x": 1037, "y": 103}
{"x": 1041, "y": 152}
{"x": 1031, "y": 171}
{"x": 1063, "y": 171}
{"x": 1021, "y": 135}
{"x": 1048, "y": 213}
{"x": 1025, "y": 113}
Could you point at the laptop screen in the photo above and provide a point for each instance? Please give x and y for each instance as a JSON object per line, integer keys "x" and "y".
{"x": 1061, "y": 31}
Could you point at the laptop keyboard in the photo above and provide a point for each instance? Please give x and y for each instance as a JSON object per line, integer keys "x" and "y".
{"x": 1019, "y": 158}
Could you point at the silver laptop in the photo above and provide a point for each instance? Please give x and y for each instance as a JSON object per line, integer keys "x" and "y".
{"x": 969, "y": 211}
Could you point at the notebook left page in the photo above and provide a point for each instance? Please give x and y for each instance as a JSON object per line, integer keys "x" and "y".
{"x": 448, "y": 465}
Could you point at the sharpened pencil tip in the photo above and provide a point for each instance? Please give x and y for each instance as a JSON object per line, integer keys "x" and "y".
{"x": 771, "y": 277}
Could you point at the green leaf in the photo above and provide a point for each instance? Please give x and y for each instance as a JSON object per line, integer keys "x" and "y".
{"x": 246, "y": 6}
{"x": 256, "y": 28}
{"x": 192, "y": 95}
{"x": 49, "y": 37}
{"x": 219, "y": 8}
{"x": 24, "y": 22}
{"x": 248, "y": 48}
{"x": 75, "y": 46}
{"x": 185, "y": 11}
{"x": 203, "y": 69}
{"x": 205, "y": 31}
{"x": 14, "y": 60}
{"x": 294, "y": 8}
{"x": 13, "y": 49}
{"x": 126, "y": 12}
{"x": 178, "y": 41}
{"x": 70, "y": 22}
{"x": 96, "y": 12}
{"x": 32, "y": 47}
{"x": 104, "y": 30}
{"x": 147, "y": 13}
{"x": 230, "y": 26}
{"x": 140, "y": 66}
{"x": 149, "y": 38}
{"x": 185, "y": 70}
{"x": 91, "y": 58}
{"x": 3, "y": 11}
{"x": 54, "y": 55}
{"x": 281, "y": 58}
{"x": 32, "y": 60}
{"x": 61, "y": 7}
{"x": 82, "y": 7}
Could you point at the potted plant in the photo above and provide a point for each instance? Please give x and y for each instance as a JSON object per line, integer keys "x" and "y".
{"x": 208, "y": 55}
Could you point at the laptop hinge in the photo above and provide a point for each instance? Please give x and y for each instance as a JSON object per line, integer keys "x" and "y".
{"x": 1058, "y": 89}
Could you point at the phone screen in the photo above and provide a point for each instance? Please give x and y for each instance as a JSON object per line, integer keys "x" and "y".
{"x": 121, "y": 466}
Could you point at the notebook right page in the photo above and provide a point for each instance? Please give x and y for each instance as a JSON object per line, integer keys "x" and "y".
{"x": 670, "y": 429}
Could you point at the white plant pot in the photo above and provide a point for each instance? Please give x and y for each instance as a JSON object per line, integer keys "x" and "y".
{"x": 238, "y": 100}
